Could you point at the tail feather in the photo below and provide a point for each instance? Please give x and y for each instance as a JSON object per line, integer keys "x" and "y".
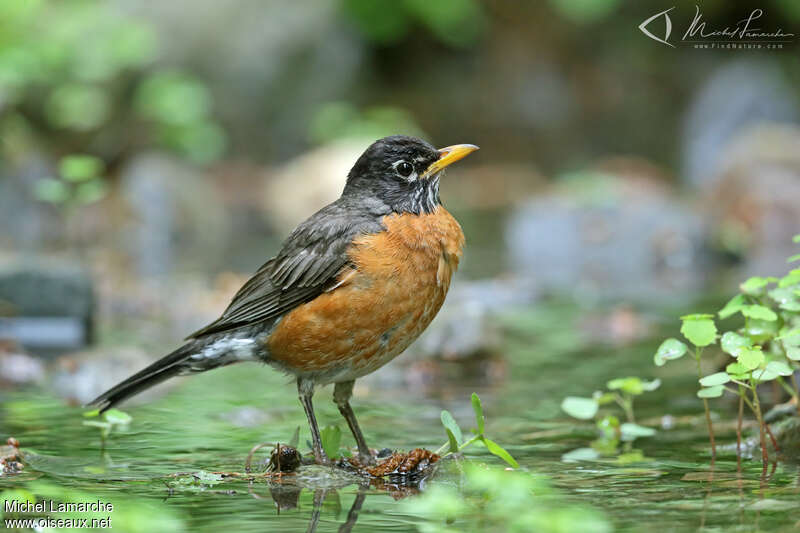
{"x": 163, "y": 369}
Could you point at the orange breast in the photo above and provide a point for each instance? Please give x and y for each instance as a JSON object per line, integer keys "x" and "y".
{"x": 400, "y": 280}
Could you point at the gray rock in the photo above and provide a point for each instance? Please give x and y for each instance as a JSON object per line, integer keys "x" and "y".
{"x": 736, "y": 96}
{"x": 609, "y": 237}
{"x": 45, "y": 307}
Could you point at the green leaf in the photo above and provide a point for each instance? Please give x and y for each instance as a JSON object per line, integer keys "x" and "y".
{"x": 629, "y": 385}
{"x": 761, "y": 331}
{"x": 780, "y": 368}
{"x": 650, "y": 386}
{"x": 711, "y": 392}
{"x": 786, "y": 298}
{"x": 331, "y": 440}
{"x": 496, "y": 449}
{"x": 733, "y": 343}
{"x": 793, "y": 353}
{"x": 796, "y": 238}
{"x": 80, "y": 167}
{"x": 755, "y": 286}
{"x": 117, "y": 417}
{"x": 580, "y": 454}
{"x": 452, "y": 441}
{"x": 792, "y": 278}
{"x": 790, "y": 337}
{"x": 735, "y": 369}
{"x": 759, "y": 312}
{"x": 699, "y": 329}
{"x": 751, "y": 358}
{"x": 450, "y": 423}
{"x": 581, "y": 408}
{"x": 51, "y": 190}
{"x": 632, "y": 431}
{"x": 794, "y": 258}
{"x": 670, "y": 349}
{"x": 295, "y": 437}
{"x": 733, "y": 306}
{"x": 720, "y": 378}
{"x": 603, "y": 398}
{"x": 480, "y": 421}
{"x": 92, "y": 413}
{"x": 90, "y": 191}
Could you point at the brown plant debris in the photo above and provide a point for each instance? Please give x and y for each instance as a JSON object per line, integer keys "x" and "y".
{"x": 10, "y": 457}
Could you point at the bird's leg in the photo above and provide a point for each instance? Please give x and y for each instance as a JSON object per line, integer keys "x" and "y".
{"x": 342, "y": 392}
{"x": 305, "y": 389}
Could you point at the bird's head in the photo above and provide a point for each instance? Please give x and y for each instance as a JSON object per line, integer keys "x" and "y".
{"x": 403, "y": 173}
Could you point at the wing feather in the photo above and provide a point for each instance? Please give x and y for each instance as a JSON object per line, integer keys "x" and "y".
{"x": 309, "y": 263}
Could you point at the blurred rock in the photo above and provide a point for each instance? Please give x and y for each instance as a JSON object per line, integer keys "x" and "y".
{"x": 167, "y": 207}
{"x": 490, "y": 186}
{"x": 18, "y": 368}
{"x": 464, "y": 327}
{"x": 269, "y": 64}
{"x": 26, "y": 223}
{"x": 736, "y": 96}
{"x": 46, "y": 307}
{"x": 309, "y": 182}
{"x": 463, "y": 341}
{"x": 755, "y": 203}
{"x": 599, "y": 235}
{"x": 82, "y": 376}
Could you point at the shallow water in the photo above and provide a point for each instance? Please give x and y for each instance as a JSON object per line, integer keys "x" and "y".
{"x": 152, "y": 471}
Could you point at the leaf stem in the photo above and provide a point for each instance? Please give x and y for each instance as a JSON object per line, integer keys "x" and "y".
{"x": 697, "y": 353}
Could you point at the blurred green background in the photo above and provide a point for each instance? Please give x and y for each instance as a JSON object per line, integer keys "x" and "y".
{"x": 154, "y": 154}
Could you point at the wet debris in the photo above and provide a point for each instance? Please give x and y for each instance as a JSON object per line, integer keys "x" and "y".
{"x": 283, "y": 459}
{"x": 10, "y": 457}
{"x": 397, "y": 466}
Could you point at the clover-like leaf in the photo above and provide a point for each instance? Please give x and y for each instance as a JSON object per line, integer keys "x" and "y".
{"x": 720, "y": 378}
{"x": 759, "y": 312}
{"x": 668, "y": 350}
{"x": 629, "y": 385}
{"x": 756, "y": 285}
{"x": 699, "y": 329}
{"x": 631, "y": 431}
{"x": 737, "y": 371}
{"x": 711, "y": 392}
{"x": 581, "y": 408}
{"x": 733, "y": 343}
{"x": 650, "y": 386}
{"x": 790, "y": 279}
{"x": 580, "y": 454}
{"x": 751, "y": 358}
{"x": 733, "y": 306}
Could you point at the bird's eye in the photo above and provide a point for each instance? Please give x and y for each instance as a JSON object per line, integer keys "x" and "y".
{"x": 404, "y": 168}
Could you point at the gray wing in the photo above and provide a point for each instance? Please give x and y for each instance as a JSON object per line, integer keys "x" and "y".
{"x": 308, "y": 263}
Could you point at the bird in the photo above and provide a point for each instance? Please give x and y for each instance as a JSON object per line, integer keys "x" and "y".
{"x": 348, "y": 291}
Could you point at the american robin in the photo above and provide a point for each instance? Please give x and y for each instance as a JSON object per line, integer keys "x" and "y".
{"x": 350, "y": 289}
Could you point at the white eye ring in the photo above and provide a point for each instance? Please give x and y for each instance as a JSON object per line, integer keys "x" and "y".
{"x": 405, "y": 170}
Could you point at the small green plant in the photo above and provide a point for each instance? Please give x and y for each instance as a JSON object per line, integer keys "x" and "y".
{"x": 765, "y": 348}
{"x": 331, "y": 437}
{"x": 455, "y": 437}
{"x": 109, "y": 422}
{"x": 493, "y": 499}
{"x": 80, "y": 182}
{"x": 620, "y": 392}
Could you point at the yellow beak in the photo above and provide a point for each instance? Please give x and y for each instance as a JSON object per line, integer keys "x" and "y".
{"x": 448, "y": 156}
